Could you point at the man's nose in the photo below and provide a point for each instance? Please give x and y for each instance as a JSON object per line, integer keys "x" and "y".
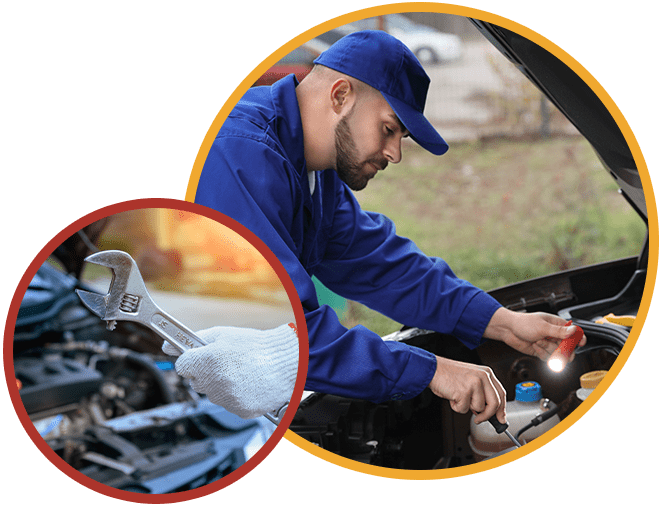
{"x": 393, "y": 150}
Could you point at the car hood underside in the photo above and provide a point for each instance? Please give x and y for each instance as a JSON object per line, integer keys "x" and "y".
{"x": 578, "y": 102}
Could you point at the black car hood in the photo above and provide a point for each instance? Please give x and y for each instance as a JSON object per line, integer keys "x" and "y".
{"x": 576, "y": 100}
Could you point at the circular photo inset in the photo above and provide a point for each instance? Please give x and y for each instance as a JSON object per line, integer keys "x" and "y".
{"x": 468, "y": 222}
{"x": 155, "y": 351}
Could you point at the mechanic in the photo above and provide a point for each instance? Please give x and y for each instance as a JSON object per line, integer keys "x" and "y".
{"x": 284, "y": 163}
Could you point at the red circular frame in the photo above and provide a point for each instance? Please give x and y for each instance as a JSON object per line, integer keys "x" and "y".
{"x": 131, "y": 206}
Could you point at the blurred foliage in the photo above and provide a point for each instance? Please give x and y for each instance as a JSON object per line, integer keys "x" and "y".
{"x": 516, "y": 107}
{"x": 504, "y": 211}
{"x": 178, "y": 251}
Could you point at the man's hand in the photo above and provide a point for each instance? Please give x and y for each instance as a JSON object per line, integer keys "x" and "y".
{"x": 469, "y": 387}
{"x": 249, "y": 372}
{"x": 537, "y": 334}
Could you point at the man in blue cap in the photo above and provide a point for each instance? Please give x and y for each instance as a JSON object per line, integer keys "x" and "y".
{"x": 284, "y": 164}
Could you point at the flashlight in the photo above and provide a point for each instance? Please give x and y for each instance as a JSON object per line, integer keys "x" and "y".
{"x": 560, "y": 357}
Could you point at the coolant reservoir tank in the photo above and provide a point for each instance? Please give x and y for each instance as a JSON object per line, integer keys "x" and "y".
{"x": 528, "y": 403}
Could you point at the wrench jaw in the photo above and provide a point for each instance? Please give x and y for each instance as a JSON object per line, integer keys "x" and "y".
{"x": 97, "y": 304}
{"x": 126, "y": 290}
{"x": 94, "y": 302}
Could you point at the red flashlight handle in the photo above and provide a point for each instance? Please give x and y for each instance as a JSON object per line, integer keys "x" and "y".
{"x": 568, "y": 344}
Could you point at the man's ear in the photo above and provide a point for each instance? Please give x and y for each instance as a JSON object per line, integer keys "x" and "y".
{"x": 342, "y": 95}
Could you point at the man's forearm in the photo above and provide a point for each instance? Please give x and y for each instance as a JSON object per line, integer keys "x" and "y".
{"x": 501, "y": 324}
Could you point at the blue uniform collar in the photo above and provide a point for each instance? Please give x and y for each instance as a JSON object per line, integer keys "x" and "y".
{"x": 289, "y": 125}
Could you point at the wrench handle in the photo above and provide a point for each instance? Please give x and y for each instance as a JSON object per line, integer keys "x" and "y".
{"x": 276, "y": 415}
{"x": 174, "y": 332}
{"x": 182, "y": 338}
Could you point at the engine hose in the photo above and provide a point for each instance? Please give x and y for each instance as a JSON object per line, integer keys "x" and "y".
{"x": 148, "y": 363}
{"x": 542, "y": 417}
{"x": 103, "y": 352}
{"x": 168, "y": 394}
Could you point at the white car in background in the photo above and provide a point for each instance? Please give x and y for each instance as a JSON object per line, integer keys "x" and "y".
{"x": 428, "y": 44}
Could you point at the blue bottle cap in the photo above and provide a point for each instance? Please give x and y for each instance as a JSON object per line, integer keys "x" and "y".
{"x": 528, "y": 391}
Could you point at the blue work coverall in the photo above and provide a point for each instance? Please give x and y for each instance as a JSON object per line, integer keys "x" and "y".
{"x": 256, "y": 174}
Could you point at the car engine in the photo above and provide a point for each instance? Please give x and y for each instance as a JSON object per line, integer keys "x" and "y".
{"x": 111, "y": 405}
{"x": 424, "y": 433}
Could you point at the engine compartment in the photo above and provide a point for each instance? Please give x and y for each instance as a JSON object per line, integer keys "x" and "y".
{"x": 111, "y": 405}
{"x": 424, "y": 433}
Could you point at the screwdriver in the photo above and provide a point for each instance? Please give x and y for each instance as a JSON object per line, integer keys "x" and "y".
{"x": 502, "y": 427}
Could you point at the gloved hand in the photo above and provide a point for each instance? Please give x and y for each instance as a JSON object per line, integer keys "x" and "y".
{"x": 249, "y": 372}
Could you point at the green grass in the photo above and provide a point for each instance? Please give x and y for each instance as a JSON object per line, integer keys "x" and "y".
{"x": 504, "y": 211}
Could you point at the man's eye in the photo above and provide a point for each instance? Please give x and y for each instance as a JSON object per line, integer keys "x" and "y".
{"x": 389, "y": 131}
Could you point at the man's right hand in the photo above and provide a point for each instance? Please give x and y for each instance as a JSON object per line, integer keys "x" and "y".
{"x": 469, "y": 387}
{"x": 249, "y": 372}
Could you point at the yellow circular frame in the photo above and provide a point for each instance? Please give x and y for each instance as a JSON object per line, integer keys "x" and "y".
{"x": 633, "y": 146}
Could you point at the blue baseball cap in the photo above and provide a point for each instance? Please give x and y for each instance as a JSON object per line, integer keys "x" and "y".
{"x": 386, "y": 64}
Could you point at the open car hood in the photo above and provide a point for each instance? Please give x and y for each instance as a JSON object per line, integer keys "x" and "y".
{"x": 576, "y": 100}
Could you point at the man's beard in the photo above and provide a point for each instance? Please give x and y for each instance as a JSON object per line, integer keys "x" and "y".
{"x": 348, "y": 168}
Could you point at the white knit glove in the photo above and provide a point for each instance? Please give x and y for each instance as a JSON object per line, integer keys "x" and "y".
{"x": 249, "y": 372}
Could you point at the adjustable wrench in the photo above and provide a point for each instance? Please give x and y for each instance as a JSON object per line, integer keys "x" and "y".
{"x": 128, "y": 299}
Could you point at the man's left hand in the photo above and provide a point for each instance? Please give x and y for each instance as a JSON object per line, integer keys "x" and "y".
{"x": 537, "y": 334}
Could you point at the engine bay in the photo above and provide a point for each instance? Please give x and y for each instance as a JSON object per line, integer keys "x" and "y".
{"x": 424, "y": 432}
{"x": 111, "y": 405}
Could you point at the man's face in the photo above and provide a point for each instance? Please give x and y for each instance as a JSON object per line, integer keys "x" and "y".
{"x": 366, "y": 140}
